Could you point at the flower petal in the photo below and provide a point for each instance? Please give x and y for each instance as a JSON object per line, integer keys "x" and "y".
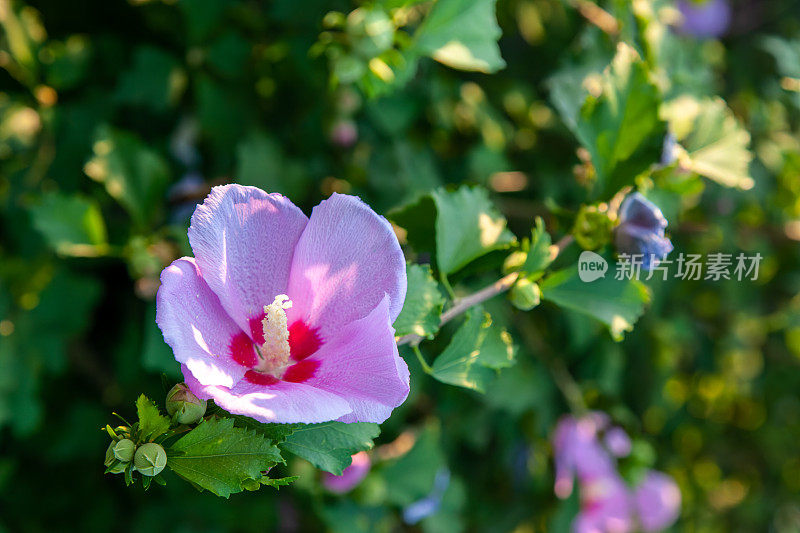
{"x": 641, "y": 212}
{"x": 195, "y": 325}
{"x": 281, "y": 403}
{"x": 347, "y": 259}
{"x": 243, "y": 239}
{"x": 361, "y": 364}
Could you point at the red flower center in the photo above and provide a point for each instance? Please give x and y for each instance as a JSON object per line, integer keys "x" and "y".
{"x": 303, "y": 342}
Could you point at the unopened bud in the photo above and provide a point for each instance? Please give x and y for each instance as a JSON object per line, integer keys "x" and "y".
{"x": 183, "y": 406}
{"x": 123, "y": 450}
{"x": 150, "y": 459}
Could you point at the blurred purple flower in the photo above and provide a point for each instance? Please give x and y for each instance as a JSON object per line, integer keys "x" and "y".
{"x": 288, "y": 319}
{"x": 351, "y": 477}
{"x": 584, "y": 449}
{"x": 705, "y": 18}
{"x": 641, "y": 230}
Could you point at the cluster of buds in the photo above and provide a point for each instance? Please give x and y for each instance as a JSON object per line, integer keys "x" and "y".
{"x": 128, "y": 453}
{"x": 148, "y": 458}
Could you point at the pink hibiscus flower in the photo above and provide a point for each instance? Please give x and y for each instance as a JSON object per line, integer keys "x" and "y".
{"x": 285, "y": 318}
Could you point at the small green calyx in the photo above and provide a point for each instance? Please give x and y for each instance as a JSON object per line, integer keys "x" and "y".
{"x": 150, "y": 459}
{"x": 113, "y": 465}
{"x": 183, "y": 406}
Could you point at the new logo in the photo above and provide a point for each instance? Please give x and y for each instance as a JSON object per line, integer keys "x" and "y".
{"x": 591, "y": 266}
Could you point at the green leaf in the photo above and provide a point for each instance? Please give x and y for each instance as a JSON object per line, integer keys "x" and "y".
{"x": 73, "y": 225}
{"x": 475, "y": 350}
{"x": 219, "y": 457}
{"x": 155, "y": 80}
{"x": 276, "y": 433}
{"x": 715, "y": 142}
{"x": 411, "y": 477}
{"x": 539, "y": 256}
{"x": 568, "y": 90}
{"x": 786, "y": 53}
{"x": 329, "y": 445}
{"x": 417, "y": 218}
{"x": 462, "y": 34}
{"x": 277, "y": 482}
{"x": 498, "y": 349}
{"x": 467, "y": 227}
{"x": 423, "y": 306}
{"x": 620, "y": 127}
{"x": 616, "y": 303}
{"x": 152, "y": 423}
{"x": 135, "y": 175}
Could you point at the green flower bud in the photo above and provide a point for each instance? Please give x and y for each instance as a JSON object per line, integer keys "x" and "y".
{"x": 592, "y": 228}
{"x": 525, "y": 294}
{"x": 150, "y": 459}
{"x": 123, "y": 450}
{"x": 183, "y": 406}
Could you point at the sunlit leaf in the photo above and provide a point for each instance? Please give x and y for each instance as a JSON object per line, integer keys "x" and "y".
{"x": 462, "y": 34}
{"x": 154, "y": 80}
{"x": 134, "y": 174}
{"x": 152, "y": 423}
{"x": 467, "y": 227}
{"x": 616, "y": 303}
{"x": 72, "y": 225}
{"x": 715, "y": 142}
{"x": 474, "y": 352}
{"x": 620, "y": 126}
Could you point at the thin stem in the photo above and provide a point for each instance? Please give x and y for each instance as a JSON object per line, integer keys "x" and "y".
{"x": 461, "y": 305}
{"x": 425, "y": 366}
{"x": 447, "y": 286}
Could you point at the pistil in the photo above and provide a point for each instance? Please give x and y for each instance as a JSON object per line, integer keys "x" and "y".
{"x": 273, "y": 354}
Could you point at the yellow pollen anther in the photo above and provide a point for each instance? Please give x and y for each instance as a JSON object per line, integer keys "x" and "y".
{"x": 274, "y": 352}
